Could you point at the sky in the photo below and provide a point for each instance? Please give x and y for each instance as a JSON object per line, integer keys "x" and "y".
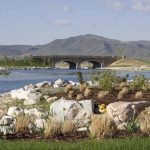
{"x": 34, "y": 22}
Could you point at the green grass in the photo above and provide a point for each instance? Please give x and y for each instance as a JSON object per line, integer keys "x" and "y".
{"x": 113, "y": 144}
{"x": 130, "y": 63}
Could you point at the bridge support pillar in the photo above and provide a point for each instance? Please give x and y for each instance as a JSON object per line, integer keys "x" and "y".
{"x": 78, "y": 66}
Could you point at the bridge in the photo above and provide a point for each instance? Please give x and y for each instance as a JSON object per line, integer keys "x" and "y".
{"x": 75, "y": 61}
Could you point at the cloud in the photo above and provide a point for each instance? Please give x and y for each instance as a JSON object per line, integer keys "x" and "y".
{"x": 141, "y": 5}
{"x": 67, "y": 9}
{"x": 117, "y": 5}
{"x": 61, "y": 22}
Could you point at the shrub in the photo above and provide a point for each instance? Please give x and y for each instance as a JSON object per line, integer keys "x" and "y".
{"x": 139, "y": 83}
{"x": 87, "y": 92}
{"x": 106, "y": 80}
{"x": 53, "y": 128}
{"x": 71, "y": 94}
{"x": 80, "y": 77}
{"x": 83, "y": 86}
{"x": 138, "y": 95}
{"x": 68, "y": 127}
{"x": 144, "y": 120}
{"x": 101, "y": 127}
{"x": 102, "y": 94}
{"x": 123, "y": 92}
{"x": 68, "y": 88}
{"x": 22, "y": 123}
{"x": 79, "y": 97}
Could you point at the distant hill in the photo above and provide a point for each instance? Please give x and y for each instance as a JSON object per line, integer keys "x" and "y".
{"x": 81, "y": 45}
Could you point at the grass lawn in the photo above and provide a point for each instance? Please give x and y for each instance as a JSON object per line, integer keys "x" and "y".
{"x": 112, "y": 144}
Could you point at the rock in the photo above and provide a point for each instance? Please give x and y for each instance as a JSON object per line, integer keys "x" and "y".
{"x": 64, "y": 109}
{"x": 7, "y": 129}
{"x": 40, "y": 123}
{"x": 72, "y": 110}
{"x": 123, "y": 112}
{"x": 83, "y": 118}
{"x": 43, "y": 84}
{"x": 6, "y": 120}
{"x": 60, "y": 83}
{"x": 82, "y": 129}
{"x": 13, "y": 111}
{"x": 1, "y": 113}
{"x": 88, "y": 104}
{"x": 32, "y": 98}
{"x": 51, "y": 99}
{"x": 34, "y": 112}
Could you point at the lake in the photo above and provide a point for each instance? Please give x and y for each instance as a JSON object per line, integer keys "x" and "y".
{"x": 18, "y": 78}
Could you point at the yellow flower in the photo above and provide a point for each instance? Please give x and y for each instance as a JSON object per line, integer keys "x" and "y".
{"x": 102, "y": 108}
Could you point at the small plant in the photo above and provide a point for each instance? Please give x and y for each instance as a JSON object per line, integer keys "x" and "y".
{"x": 80, "y": 77}
{"x": 79, "y": 97}
{"x": 87, "y": 92}
{"x": 68, "y": 127}
{"x": 102, "y": 94}
{"x": 132, "y": 126}
{"x": 68, "y": 88}
{"x": 123, "y": 92}
{"x": 83, "y": 86}
{"x": 71, "y": 94}
{"x": 139, "y": 83}
{"x": 138, "y": 95}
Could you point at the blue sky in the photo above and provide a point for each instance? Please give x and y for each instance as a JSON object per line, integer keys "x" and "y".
{"x": 41, "y": 21}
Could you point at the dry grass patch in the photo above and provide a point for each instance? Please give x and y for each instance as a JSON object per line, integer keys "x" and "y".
{"x": 83, "y": 86}
{"x": 102, "y": 94}
{"x": 101, "y": 127}
{"x": 123, "y": 92}
{"x": 53, "y": 128}
{"x": 68, "y": 127}
{"x": 138, "y": 95}
{"x": 22, "y": 123}
{"x": 87, "y": 92}
{"x": 71, "y": 94}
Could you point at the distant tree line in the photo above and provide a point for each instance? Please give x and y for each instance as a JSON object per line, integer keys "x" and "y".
{"x": 22, "y": 62}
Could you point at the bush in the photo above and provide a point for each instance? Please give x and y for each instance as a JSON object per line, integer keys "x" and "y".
{"x": 139, "y": 83}
{"x": 105, "y": 79}
{"x": 101, "y": 127}
{"x": 68, "y": 127}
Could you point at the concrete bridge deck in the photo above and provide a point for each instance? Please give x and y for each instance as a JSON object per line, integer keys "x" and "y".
{"x": 75, "y": 61}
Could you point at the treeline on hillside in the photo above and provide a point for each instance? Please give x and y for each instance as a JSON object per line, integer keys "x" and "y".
{"x": 25, "y": 61}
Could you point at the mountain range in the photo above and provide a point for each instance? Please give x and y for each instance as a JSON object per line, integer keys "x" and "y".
{"x": 81, "y": 45}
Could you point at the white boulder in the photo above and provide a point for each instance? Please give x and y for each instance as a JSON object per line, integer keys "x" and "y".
{"x": 123, "y": 112}
{"x": 13, "y": 111}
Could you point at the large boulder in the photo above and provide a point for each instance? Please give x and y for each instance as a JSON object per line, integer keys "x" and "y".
{"x": 123, "y": 112}
{"x": 64, "y": 109}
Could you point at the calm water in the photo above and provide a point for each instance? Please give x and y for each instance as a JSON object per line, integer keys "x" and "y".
{"x": 19, "y": 78}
